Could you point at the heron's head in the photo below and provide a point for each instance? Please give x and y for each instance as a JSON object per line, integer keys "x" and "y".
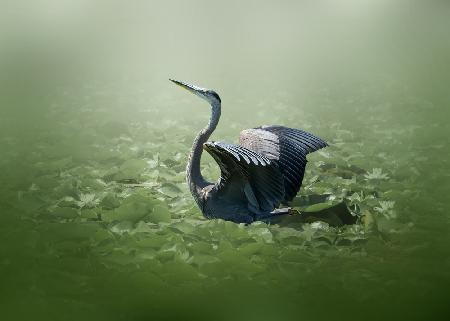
{"x": 209, "y": 95}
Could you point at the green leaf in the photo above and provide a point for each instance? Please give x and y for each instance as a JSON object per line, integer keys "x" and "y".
{"x": 66, "y": 212}
{"x": 318, "y": 207}
{"x": 160, "y": 213}
{"x": 132, "y": 212}
{"x": 131, "y": 170}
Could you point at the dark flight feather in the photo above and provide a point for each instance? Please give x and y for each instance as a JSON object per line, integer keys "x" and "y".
{"x": 286, "y": 146}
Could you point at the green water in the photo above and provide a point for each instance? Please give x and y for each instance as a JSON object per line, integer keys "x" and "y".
{"x": 97, "y": 222}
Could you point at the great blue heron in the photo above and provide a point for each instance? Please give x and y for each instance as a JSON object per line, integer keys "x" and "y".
{"x": 265, "y": 170}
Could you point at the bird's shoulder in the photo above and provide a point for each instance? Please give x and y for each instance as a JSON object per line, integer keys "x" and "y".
{"x": 261, "y": 141}
{"x": 268, "y": 139}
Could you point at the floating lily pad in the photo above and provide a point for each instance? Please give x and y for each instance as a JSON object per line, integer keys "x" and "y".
{"x": 129, "y": 211}
{"x": 89, "y": 214}
{"x": 131, "y": 170}
{"x": 160, "y": 213}
{"x": 333, "y": 214}
{"x": 66, "y": 212}
{"x": 170, "y": 190}
{"x": 318, "y": 207}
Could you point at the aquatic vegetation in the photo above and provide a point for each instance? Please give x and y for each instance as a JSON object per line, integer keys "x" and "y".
{"x": 376, "y": 174}
{"x": 135, "y": 186}
{"x": 114, "y": 208}
{"x": 87, "y": 200}
{"x": 386, "y": 208}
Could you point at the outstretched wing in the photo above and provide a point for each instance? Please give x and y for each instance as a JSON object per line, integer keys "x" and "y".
{"x": 288, "y": 147}
{"x": 249, "y": 172}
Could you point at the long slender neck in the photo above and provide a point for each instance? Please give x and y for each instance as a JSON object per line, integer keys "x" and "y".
{"x": 194, "y": 176}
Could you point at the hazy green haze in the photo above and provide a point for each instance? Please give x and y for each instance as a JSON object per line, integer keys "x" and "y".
{"x": 96, "y": 221}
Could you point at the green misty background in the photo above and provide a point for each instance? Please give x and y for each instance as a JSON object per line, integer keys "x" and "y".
{"x": 96, "y": 222}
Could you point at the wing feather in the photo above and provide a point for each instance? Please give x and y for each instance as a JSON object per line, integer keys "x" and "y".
{"x": 250, "y": 169}
{"x": 286, "y": 146}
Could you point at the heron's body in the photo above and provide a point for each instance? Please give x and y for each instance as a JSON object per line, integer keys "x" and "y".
{"x": 263, "y": 171}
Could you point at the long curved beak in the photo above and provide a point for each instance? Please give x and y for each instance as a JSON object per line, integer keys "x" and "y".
{"x": 191, "y": 88}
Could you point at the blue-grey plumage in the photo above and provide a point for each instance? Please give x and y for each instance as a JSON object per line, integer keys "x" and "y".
{"x": 264, "y": 171}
